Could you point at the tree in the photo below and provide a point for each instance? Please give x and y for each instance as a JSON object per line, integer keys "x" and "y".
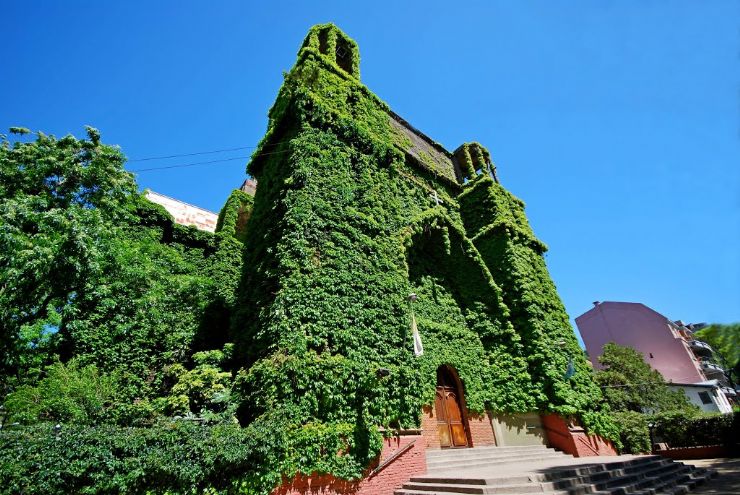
{"x": 58, "y": 198}
{"x": 725, "y": 340}
{"x": 630, "y": 384}
{"x": 92, "y": 271}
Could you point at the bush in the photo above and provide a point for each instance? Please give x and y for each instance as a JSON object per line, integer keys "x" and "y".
{"x": 170, "y": 458}
{"x": 634, "y": 433}
{"x": 680, "y": 430}
{"x": 68, "y": 393}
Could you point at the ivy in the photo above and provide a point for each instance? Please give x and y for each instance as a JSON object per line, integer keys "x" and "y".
{"x": 346, "y": 223}
{"x": 301, "y": 295}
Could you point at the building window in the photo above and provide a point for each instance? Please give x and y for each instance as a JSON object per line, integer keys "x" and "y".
{"x": 705, "y": 399}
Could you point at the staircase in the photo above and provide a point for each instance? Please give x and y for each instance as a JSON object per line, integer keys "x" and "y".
{"x": 540, "y": 470}
{"x": 452, "y": 459}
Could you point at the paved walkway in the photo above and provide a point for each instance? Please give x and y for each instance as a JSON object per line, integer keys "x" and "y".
{"x": 728, "y": 481}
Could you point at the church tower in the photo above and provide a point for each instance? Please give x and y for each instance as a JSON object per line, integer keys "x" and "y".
{"x": 390, "y": 284}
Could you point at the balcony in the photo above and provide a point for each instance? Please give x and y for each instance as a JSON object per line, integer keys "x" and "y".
{"x": 712, "y": 370}
{"x": 729, "y": 391}
{"x": 701, "y": 348}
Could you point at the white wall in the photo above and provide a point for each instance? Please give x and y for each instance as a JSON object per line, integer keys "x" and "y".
{"x": 719, "y": 401}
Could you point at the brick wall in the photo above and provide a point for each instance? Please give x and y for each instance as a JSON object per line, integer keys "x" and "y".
{"x": 429, "y": 428}
{"x": 411, "y": 463}
{"x": 697, "y": 452}
{"x": 479, "y": 427}
{"x": 573, "y": 439}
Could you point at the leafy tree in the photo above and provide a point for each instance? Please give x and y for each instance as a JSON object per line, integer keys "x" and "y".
{"x": 92, "y": 271}
{"x": 630, "y": 384}
{"x": 725, "y": 340}
{"x": 67, "y": 393}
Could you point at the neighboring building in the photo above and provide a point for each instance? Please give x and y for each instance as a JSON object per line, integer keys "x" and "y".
{"x": 708, "y": 396}
{"x": 249, "y": 186}
{"x": 668, "y": 346}
{"x": 184, "y": 213}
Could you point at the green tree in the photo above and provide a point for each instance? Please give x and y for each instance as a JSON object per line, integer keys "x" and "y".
{"x": 630, "y": 384}
{"x": 58, "y": 198}
{"x": 92, "y": 271}
{"x": 725, "y": 340}
{"x": 67, "y": 393}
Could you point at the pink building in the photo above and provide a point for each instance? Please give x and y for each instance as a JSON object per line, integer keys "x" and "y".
{"x": 667, "y": 346}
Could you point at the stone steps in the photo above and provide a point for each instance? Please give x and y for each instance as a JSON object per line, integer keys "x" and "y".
{"x": 646, "y": 475}
{"x": 441, "y": 460}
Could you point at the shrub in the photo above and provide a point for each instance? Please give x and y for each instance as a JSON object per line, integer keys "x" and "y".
{"x": 634, "y": 433}
{"x": 171, "y": 458}
{"x": 69, "y": 392}
{"x": 680, "y": 430}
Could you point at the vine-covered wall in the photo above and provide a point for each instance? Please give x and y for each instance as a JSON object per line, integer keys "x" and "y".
{"x": 350, "y": 217}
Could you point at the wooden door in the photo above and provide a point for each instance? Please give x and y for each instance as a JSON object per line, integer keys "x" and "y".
{"x": 448, "y": 406}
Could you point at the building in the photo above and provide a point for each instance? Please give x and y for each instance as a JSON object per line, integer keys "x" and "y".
{"x": 399, "y": 284}
{"x": 184, "y": 213}
{"x": 667, "y": 346}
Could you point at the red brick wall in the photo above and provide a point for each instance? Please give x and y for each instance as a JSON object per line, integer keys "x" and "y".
{"x": 390, "y": 478}
{"x": 696, "y": 452}
{"x": 429, "y": 428}
{"x": 573, "y": 440}
{"x": 479, "y": 427}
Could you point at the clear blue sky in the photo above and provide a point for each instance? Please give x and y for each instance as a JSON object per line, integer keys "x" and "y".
{"x": 617, "y": 122}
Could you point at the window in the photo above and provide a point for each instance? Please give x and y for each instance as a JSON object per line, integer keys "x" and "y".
{"x": 705, "y": 399}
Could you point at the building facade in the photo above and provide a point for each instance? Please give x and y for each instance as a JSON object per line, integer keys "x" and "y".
{"x": 184, "y": 213}
{"x": 667, "y": 346}
{"x": 399, "y": 284}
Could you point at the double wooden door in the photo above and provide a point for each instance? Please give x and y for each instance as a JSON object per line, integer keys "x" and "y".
{"x": 448, "y": 408}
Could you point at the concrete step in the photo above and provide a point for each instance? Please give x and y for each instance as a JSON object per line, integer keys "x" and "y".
{"x": 515, "y": 448}
{"x": 470, "y": 462}
{"x": 619, "y": 477}
{"x": 477, "y": 452}
{"x": 649, "y": 475}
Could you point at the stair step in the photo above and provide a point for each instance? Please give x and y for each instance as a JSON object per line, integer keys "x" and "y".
{"x": 484, "y": 460}
{"x": 512, "y": 448}
{"x": 648, "y": 475}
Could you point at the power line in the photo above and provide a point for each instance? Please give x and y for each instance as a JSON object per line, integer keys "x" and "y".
{"x": 190, "y": 154}
{"x": 193, "y": 164}
{"x": 181, "y": 165}
{"x": 196, "y": 153}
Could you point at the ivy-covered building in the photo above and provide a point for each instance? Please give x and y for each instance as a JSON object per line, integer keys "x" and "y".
{"x": 390, "y": 284}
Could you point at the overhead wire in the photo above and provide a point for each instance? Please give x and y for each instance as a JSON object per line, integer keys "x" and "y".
{"x": 192, "y": 164}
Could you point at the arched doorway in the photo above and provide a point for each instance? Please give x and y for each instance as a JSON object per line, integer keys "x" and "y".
{"x": 448, "y": 405}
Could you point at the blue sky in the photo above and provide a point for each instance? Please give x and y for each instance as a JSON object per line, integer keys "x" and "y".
{"x": 617, "y": 122}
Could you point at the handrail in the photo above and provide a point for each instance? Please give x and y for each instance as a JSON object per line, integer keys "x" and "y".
{"x": 392, "y": 458}
{"x": 584, "y": 442}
